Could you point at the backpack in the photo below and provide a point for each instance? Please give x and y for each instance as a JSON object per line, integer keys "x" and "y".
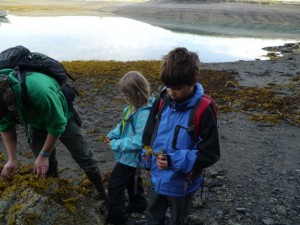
{"x": 195, "y": 114}
{"x": 22, "y": 60}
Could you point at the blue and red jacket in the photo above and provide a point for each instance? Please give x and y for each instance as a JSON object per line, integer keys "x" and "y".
{"x": 185, "y": 156}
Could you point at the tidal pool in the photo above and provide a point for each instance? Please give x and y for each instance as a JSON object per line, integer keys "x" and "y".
{"x": 68, "y": 38}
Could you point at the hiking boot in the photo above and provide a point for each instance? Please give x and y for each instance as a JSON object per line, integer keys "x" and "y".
{"x": 131, "y": 208}
{"x": 52, "y": 173}
{"x": 103, "y": 195}
{"x": 95, "y": 178}
{"x": 114, "y": 219}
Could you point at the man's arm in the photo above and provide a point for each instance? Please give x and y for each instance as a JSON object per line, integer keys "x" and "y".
{"x": 10, "y": 142}
{"x": 41, "y": 164}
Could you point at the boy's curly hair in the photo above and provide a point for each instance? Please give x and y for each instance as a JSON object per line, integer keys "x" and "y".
{"x": 180, "y": 67}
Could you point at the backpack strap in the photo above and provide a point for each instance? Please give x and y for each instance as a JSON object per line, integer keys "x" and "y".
{"x": 196, "y": 115}
{"x": 130, "y": 118}
{"x": 161, "y": 105}
{"x": 195, "y": 120}
{"x": 21, "y": 75}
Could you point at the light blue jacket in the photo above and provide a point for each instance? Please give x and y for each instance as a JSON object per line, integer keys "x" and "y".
{"x": 127, "y": 144}
{"x": 171, "y": 181}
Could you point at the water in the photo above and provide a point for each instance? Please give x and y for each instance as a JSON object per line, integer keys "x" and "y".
{"x": 68, "y": 38}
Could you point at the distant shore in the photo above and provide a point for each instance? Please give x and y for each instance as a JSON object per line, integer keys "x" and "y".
{"x": 224, "y": 18}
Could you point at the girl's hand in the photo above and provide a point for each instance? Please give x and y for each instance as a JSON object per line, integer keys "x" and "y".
{"x": 106, "y": 140}
{"x": 148, "y": 174}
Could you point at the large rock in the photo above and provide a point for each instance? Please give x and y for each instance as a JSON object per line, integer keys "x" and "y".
{"x": 26, "y": 200}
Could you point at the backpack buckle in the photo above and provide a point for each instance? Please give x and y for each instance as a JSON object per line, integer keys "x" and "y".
{"x": 191, "y": 128}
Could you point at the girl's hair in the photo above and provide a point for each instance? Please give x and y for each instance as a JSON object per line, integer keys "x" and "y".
{"x": 135, "y": 87}
{"x": 180, "y": 67}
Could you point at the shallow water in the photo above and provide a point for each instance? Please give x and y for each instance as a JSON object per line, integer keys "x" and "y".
{"x": 68, "y": 38}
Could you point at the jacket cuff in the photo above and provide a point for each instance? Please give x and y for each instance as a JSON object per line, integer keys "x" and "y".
{"x": 169, "y": 160}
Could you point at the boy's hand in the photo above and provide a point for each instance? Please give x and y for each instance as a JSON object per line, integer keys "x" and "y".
{"x": 162, "y": 162}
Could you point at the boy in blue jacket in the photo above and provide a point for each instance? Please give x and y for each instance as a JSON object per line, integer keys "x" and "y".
{"x": 177, "y": 161}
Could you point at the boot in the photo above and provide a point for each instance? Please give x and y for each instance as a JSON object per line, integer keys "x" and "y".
{"x": 52, "y": 173}
{"x": 96, "y": 179}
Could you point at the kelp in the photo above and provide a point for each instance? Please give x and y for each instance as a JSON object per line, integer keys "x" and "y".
{"x": 270, "y": 104}
{"x": 23, "y": 6}
{"x": 111, "y": 70}
{"x": 69, "y": 200}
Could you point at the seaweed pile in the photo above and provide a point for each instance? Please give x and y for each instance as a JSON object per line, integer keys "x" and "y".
{"x": 270, "y": 104}
{"x": 28, "y": 200}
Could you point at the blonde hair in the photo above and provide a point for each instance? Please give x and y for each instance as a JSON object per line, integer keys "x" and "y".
{"x": 135, "y": 87}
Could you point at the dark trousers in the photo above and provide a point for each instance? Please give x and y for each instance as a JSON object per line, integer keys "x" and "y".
{"x": 160, "y": 203}
{"x": 123, "y": 178}
{"x": 73, "y": 139}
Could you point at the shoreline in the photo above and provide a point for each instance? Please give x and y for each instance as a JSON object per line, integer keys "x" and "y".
{"x": 224, "y": 18}
{"x": 184, "y": 17}
{"x": 221, "y": 19}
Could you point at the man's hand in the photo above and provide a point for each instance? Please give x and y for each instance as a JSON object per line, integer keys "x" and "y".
{"x": 41, "y": 166}
{"x": 10, "y": 169}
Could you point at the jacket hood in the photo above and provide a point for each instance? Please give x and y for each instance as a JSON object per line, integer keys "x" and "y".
{"x": 151, "y": 101}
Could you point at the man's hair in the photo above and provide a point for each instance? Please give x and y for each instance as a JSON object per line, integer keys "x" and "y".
{"x": 7, "y": 103}
{"x": 180, "y": 67}
{"x": 135, "y": 87}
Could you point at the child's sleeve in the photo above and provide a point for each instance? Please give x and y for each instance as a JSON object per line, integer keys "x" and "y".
{"x": 134, "y": 142}
{"x": 115, "y": 133}
{"x": 146, "y": 159}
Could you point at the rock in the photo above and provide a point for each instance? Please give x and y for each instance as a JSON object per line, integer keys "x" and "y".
{"x": 23, "y": 204}
{"x": 241, "y": 210}
{"x": 195, "y": 220}
{"x": 281, "y": 210}
{"x": 198, "y": 203}
{"x": 268, "y": 221}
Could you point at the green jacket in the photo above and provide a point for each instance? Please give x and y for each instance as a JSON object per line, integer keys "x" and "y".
{"x": 48, "y": 109}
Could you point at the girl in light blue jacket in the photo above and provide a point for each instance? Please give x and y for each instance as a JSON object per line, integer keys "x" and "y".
{"x": 126, "y": 142}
